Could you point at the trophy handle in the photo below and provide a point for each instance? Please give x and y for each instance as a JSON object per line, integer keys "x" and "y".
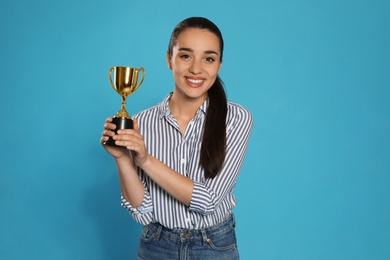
{"x": 142, "y": 79}
{"x": 110, "y": 77}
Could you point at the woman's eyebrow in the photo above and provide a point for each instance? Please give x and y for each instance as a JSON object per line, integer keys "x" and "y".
{"x": 186, "y": 49}
{"x": 191, "y": 50}
{"x": 211, "y": 52}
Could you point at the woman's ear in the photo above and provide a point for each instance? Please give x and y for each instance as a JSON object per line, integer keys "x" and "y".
{"x": 168, "y": 58}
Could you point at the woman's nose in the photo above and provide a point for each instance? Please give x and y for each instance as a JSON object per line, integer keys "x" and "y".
{"x": 196, "y": 67}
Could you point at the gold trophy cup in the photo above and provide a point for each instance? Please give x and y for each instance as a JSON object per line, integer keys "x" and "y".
{"x": 125, "y": 82}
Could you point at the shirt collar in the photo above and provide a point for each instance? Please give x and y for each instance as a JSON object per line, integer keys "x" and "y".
{"x": 165, "y": 111}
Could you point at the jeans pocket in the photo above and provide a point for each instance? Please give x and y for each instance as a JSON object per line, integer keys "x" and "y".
{"x": 223, "y": 242}
{"x": 147, "y": 234}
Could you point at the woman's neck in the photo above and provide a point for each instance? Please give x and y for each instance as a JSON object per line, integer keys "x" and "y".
{"x": 185, "y": 106}
{"x": 184, "y": 109}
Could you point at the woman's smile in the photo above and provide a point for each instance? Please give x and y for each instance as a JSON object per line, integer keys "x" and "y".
{"x": 194, "y": 82}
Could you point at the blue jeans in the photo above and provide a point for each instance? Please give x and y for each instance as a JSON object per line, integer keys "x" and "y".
{"x": 217, "y": 242}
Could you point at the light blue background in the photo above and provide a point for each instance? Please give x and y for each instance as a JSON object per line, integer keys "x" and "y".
{"x": 315, "y": 74}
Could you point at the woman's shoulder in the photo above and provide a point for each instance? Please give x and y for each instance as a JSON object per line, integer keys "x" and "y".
{"x": 238, "y": 115}
{"x": 237, "y": 110}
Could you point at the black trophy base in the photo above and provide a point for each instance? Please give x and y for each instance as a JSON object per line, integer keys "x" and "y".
{"x": 121, "y": 123}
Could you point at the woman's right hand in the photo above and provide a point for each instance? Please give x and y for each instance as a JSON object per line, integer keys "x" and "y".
{"x": 116, "y": 151}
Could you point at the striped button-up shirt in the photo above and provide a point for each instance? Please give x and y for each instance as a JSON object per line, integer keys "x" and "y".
{"x": 212, "y": 199}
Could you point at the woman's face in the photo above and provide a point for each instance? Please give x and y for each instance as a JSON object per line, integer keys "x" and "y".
{"x": 195, "y": 62}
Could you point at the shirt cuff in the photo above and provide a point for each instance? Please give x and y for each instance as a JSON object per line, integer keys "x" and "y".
{"x": 202, "y": 200}
{"x": 146, "y": 206}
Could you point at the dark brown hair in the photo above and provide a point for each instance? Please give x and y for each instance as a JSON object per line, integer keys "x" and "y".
{"x": 213, "y": 151}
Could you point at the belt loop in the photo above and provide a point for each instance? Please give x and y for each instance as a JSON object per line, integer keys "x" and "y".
{"x": 158, "y": 231}
{"x": 233, "y": 217}
{"x": 204, "y": 236}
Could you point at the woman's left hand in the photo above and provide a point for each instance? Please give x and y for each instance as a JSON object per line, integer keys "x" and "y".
{"x": 134, "y": 141}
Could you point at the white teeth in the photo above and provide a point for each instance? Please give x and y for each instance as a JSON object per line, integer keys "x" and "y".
{"x": 195, "y": 81}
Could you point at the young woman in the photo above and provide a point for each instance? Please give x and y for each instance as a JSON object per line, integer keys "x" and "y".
{"x": 186, "y": 155}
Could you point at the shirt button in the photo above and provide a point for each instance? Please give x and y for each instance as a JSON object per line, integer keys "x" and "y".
{"x": 183, "y": 161}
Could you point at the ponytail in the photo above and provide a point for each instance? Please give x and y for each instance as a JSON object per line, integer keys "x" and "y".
{"x": 213, "y": 150}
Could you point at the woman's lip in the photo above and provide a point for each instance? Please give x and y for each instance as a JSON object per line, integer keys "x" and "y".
{"x": 195, "y": 82}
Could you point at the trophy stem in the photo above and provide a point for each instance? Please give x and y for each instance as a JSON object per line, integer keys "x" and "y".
{"x": 122, "y": 113}
{"x": 123, "y": 103}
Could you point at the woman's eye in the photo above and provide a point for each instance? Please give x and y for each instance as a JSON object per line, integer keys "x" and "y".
{"x": 209, "y": 59}
{"x": 185, "y": 56}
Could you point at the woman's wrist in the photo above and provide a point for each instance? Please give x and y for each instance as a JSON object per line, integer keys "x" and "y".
{"x": 145, "y": 162}
{"x": 124, "y": 157}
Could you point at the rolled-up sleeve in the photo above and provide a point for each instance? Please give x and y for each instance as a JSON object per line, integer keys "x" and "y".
{"x": 209, "y": 194}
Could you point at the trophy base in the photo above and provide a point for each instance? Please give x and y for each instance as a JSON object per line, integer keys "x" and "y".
{"x": 121, "y": 123}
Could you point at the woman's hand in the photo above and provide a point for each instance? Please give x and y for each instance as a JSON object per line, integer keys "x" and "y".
{"x": 125, "y": 139}
{"x": 116, "y": 151}
{"x": 133, "y": 141}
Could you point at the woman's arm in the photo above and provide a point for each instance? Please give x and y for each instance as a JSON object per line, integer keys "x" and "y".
{"x": 131, "y": 186}
{"x": 130, "y": 183}
{"x": 177, "y": 185}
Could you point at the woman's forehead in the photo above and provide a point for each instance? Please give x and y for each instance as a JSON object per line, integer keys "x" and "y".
{"x": 194, "y": 38}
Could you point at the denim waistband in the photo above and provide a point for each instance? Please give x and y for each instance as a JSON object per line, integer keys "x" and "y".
{"x": 182, "y": 235}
